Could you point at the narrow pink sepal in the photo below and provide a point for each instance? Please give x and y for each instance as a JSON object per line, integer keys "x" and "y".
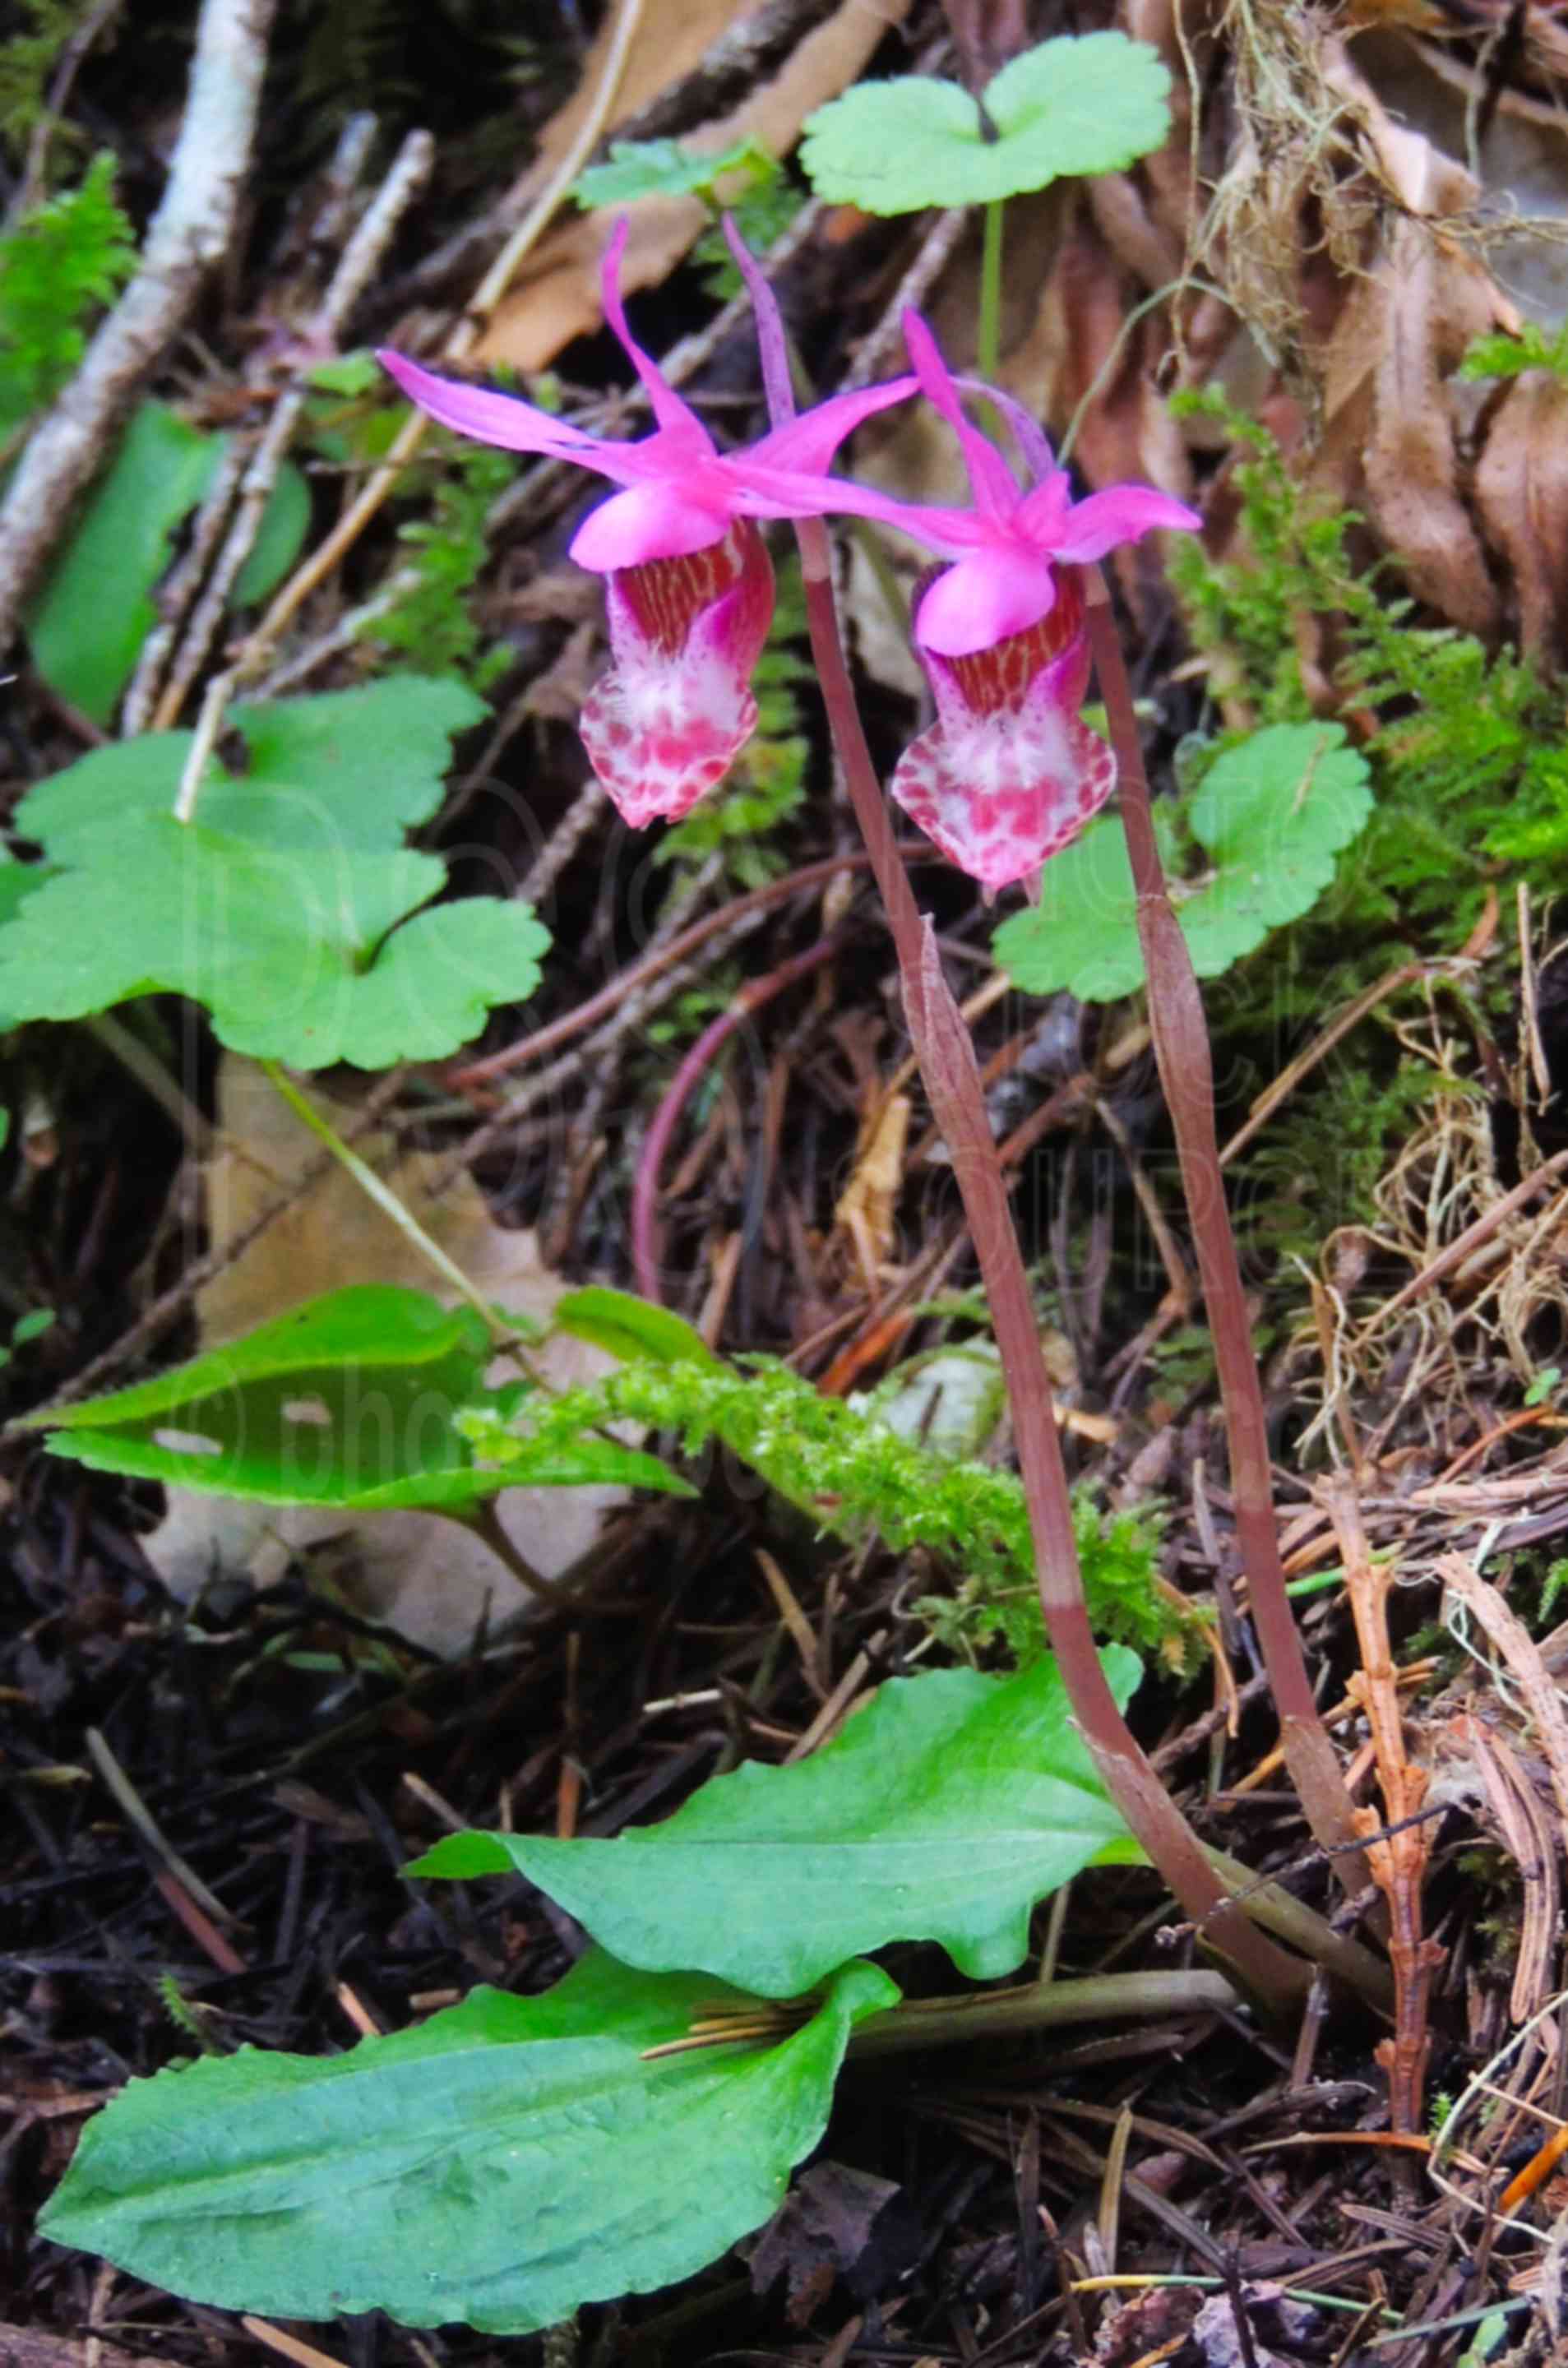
{"x": 996, "y": 490}
{"x": 501, "y": 419}
{"x": 808, "y": 444}
{"x": 1121, "y": 514}
{"x": 671, "y": 410}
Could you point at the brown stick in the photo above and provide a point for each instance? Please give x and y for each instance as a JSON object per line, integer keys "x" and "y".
{"x": 1398, "y": 1860}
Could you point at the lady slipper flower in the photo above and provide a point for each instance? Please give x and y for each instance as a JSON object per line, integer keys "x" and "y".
{"x": 1008, "y": 773}
{"x": 689, "y": 586}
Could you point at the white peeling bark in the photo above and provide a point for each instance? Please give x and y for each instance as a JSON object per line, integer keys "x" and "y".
{"x": 187, "y": 236}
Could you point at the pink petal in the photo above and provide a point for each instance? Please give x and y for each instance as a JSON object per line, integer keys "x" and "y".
{"x": 810, "y": 443}
{"x": 673, "y": 412}
{"x": 1044, "y": 514}
{"x": 501, "y": 419}
{"x": 651, "y": 521}
{"x": 995, "y": 488}
{"x": 951, "y": 533}
{"x": 1121, "y": 514}
{"x": 1001, "y": 801}
{"x": 984, "y": 599}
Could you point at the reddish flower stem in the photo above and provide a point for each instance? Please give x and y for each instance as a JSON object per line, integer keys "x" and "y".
{"x": 946, "y": 1055}
{"x": 1182, "y": 1051}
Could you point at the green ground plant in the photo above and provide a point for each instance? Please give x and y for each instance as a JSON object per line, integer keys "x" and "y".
{"x": 58, "y": 267}
{"x": 510, "y": 2159}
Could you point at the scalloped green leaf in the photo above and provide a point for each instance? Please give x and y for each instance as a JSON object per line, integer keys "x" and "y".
{"x": 344, "y": 770}
{"x": 1082, "y": 934}
{"x": 351, "y": 1399}
{"x": 1089, "y": 103}
{"x": 500, "y": 2164}
{"x": 288, "y": 906}
{"x": 948, "y": 1807}
{"x": 1273, "y": 813}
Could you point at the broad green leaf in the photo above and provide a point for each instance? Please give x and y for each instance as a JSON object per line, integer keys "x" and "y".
{"x": 944, "y": 1810}
{"x": 283, "y": 906}
{"x": 352, "y": 1399}
{"x": 628, "y": 1328}
{"x": 1272, "y": 813}
{"x": 1092, "y": 102}
{"x": 345, "y": 770}
{"x": 97, "y": 608}
{"x": 297, "y": 956}
{"x": 1082, "y": 934}
{"x": 501, "y": 2164}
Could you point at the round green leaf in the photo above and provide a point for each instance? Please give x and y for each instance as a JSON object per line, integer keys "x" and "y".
{"x": 1087, "y": 104}
{"x": 286, "y": 905}
{"x": 1273, "y": 813}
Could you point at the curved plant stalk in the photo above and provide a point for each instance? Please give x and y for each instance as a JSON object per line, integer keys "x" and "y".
{"x": 952, "y": 1081}
{"x": 1186, "y": 1074}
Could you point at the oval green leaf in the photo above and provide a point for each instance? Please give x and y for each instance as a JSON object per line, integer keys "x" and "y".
{"x": 500, "y": 2164}
{"x": 351, "y": 1400}
{"x": 948, "y": 1807}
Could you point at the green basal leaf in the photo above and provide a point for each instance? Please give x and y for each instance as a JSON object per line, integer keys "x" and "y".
{"x": 354, "y": 1399}
{"x": 345, "y": 770}
{"x": 97, "y": 608}
{"x": 944, "y": 1812}
{"x": 1272, "y": 813}
{"x": 500, "y": 2164}
{"x": 286, "y": 905}
{"x": 1092, "y": 102}
{"x": 280, "y": 538}
{"x": 628, "y": 1328}
{"x": 661, "y": 168}
{"x": 340, "y": 1400}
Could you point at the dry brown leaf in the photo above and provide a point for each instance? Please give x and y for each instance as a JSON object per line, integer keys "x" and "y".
{"x": 559, "y": 298}
{"x": 865, "y": 1208}
{"x": 1434, "y": 303}
{"x": 424, "y": 1576}
{"x": 1521, "y": 490}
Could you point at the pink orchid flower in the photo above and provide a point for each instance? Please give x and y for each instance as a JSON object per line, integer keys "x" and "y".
{"x": 690, "y": 585}
{"x": 1008, "y": 773}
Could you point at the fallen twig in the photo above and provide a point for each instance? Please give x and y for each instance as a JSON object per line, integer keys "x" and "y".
{"x": 1397, "y": 1859}
{"x": 188, "y": 236}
